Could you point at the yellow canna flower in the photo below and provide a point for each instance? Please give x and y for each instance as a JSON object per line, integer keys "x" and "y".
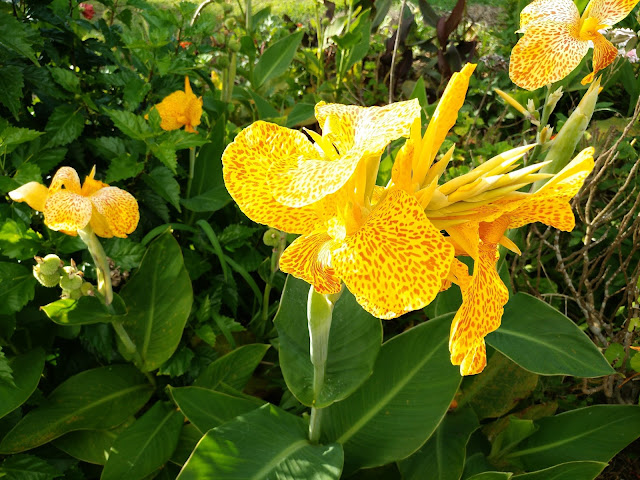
{"x": 69, "y": 207}
{"x": 378, "y": 241}
{"x": 484, "y": 294}
{"x": 216, "y": 80}
{"x": 180, "y": 109}
{"x": 556, "y": 38}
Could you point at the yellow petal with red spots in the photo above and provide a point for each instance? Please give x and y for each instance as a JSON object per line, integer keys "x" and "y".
{"x": 34, "y": 193}
{"x": 67, "y": 211}
{"x": 609, "y": 12}
{"x": 358, "y": 133}
{"x": 547, "y": 52}
{"x": 246, "y": 162}
{"x": 548, "y": 10}
{"x": 604, "y": 53}
{"x": 172, "y": 111}
{"x": 65, "y": 177}
{"x": 309, "y": 258}
{"x": 91, "y": 185}
{"x": 480, "y": 313}
{"x": 118, "y": 208}
{"x": 396, "y": 262}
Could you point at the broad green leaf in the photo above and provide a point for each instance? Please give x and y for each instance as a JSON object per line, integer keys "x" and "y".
{"x": 276, "y": 59}
{"x": 542, "y": 340}
{"x": 265, "y": 444}
{"x": 492, "y": 476}
{"x": 17, "y": 287}
{"x": 233, "y": 369}
{"x": 123, "y": 167}
{"x": 178, "y": 364}
{"x": 362, "y": 29}
{"x": 27, "y": 467}
{"x": 207, "y": 409}
{"x": 17, "y": 36}
{"x": 144, "y": 446}
{"x": 101, "y": 398}
{"x": 158, "y": 297}
{"x": 11, "y": 137}
{"x": 130, "y": 124}
{"x": 509, "y": 437}
{"x": 91, "y": 446}
{"x": 17, "y": 241}
{"x": 594, "y": 433}
{"x": 64, "y": 125}
{"x": 162, "y": 181}
{"x": 124, "y": 252}
{"x": 187, "y": 441}
{"x": 84, "y": 311}
{"x": 444, "y": 453}
{"x": 566, "y": 471}
{"x": 301, "y": 114}
{"x": 400, "y": 405}
{"x": 27, "y": 368}
{"x": 6, "y": 372}
{"x": 265, "y": 110}
{"x": 65, "y": 78}
{"x": 498, "y": 388}
{"x": 11, "y": 83}
{"x": 166, "y": 153}
{"x": 354, "y": 342}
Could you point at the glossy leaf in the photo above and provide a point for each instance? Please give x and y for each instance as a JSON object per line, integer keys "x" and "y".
{"x": 542, "y": 340}
{"x": 101, "y": 398}
{"x": 397, "y": 409}
{"x": 27, "y": 467}
{"x": 265, "y": 444}
{"x": 144, "y": 446}
{"x": 27, "y": 369}
{"x": 444, "y": 453}
{"x": 354, "y": 341}
{"x": 187, "y": 441}
{"x": 84, "y": 311}
{"x": 276, "y": 59}
{"x": 498, "y": 388}
{"x": 594, "y": 433}
{"x": 492, "y": 476}
{"x": 564, "y": 471}
{"x": 233, "y": 369}
{"x": 207, "y": 409}
{"x": 158, "y": 297}
{"x": 91, "y": 446}
{"x": 17, "y": 287}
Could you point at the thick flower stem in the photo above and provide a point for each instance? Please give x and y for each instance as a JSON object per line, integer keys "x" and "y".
{"x": 100, "y": 260}
{"x": 319, "y": 315}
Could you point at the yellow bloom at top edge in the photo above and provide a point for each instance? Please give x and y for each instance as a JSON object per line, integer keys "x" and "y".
{"x": 556, "y": 38}
{"x": 180, "y": 109}
{"x": 69, "y": 206}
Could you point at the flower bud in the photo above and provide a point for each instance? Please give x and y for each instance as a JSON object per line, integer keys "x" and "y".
{"x": 234, "y": 45}
{"x": 87, "y": 289}
{"x": 271, "y": 237}
{"x": 48, "y": 281}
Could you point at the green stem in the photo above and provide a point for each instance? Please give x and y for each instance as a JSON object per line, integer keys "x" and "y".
{"x": 319, "y": 50}
{"x": 100, "y": 260}
{"x": 544, "y": 119}
{"x": 192, "y": 166}
{"x": 343, "y": 53}
{"x": 247, "y": 18}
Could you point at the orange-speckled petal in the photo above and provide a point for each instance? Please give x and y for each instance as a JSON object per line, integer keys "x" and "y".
{"x": 548, "y": 10}
{"x": 309, "y": 258}
{"x": 401, "y": 170}
{"x": 480, "y": 313}
{"x": 91, "y": 185}
{"x": 547, "y": 52}
{"x": 67, "y": 211}
{"x": 34, "y": 193}
{"x": 67, "y": 177}
{"x": 446, "y": 113}
{"x": 377, "y": 126}
{"x": 396, "y": 262}
{"x": 604, "y": 53}
{"x": 341, "y": 129}
{"x": 609, "y": 12}
{"x": 246, "y": 162}
{"x": 119, "y": 208}
{"x": 172, "y": 110}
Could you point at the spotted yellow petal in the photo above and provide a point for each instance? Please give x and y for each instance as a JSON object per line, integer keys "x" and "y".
{"x": 246, "y": 162}
{"x": 609, "y": 12}
{"x": 604, "y": 53}
{"x": 338, "y": 123}
{"x": 91, "y": 185}
{"x": 118, "y": 208}
{"x": 65, "y": 177}
{"x": 33, "y": 193}
{"x": 172, "y": 111}
{"x": 396, "y": 262}
{"x": 548, "y": 10}
{"x": 309, "y": 258}
{"x": 67, "y": 211}
{"x": 480, "y": 313}
{"x": 546, "y": 53}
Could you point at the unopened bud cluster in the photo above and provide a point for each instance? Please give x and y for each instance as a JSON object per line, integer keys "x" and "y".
{"x": 50, "y": 271}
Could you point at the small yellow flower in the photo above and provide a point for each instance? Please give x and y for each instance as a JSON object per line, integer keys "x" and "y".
{"x": 69, "y": 207}
{"x": 216, "y": 80}
{"x": 556, "y": 38}
{"x": 180, "y": 109}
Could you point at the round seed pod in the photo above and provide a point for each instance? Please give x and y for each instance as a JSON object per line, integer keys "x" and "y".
{"x": 46, "y": 280}
{"x": 50, "y": 264}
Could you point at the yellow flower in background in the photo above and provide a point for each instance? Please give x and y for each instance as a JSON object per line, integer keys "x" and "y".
{"x": 556, "y": 38}
{"x": 484, "y": 294}
{"x": 180, "y": 109}
{"x": 216, "y": 80}
{"x": 69, "y": 207}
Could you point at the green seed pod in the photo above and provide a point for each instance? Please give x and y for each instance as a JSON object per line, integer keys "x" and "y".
{"x": 230, "y": 23}
{"x": 50, "y": 264}
{"x": 219, "y": 38}
{"x": 271, "y": 237}
{"x": 234, "y": 45}
{"x": 87, "y": 289}
{"x": 325, "y": 22}
{"x": 75, "y": 294}
{"x": 227, "y": 9}
{"x": 70, "y": 281}
{"x": 223, "y": 62}
{"x": 46, "y": 280}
